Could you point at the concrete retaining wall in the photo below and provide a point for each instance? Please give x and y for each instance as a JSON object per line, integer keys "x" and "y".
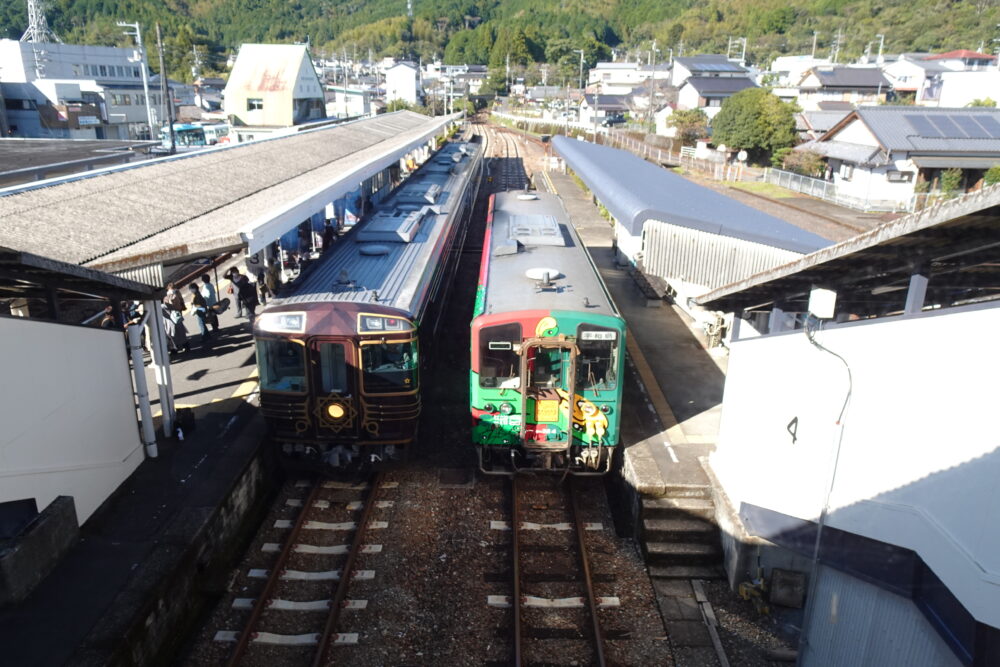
{"x": 29, "y": 557}
{"x": 188, "y": 569}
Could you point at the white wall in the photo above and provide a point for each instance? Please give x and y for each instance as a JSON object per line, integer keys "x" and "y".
{"x": 960, "y": 88}
{"x": 920, "y": 456}
{"x": 69, "y": 420}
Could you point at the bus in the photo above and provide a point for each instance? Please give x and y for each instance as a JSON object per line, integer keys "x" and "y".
{"x": 191, "y": 136}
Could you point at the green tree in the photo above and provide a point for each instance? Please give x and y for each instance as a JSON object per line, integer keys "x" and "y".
{"x": 691, "y": 125}
{"x": 951, "y": 180}
{"x": 757, "y": 121}
{"x": 992, "y": 175}
{"x": 985, "y": 102}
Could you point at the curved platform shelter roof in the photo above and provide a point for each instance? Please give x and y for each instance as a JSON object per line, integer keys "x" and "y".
{"x": 206, "y": 202}
{"x": 634, "y": 191}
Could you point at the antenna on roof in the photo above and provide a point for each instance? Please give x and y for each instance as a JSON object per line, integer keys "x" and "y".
{"x": 38, "y": 28}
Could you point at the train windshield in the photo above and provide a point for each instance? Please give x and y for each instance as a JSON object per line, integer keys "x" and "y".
{"x": 597, "y": 364}
{"x": 547, "y": 367}
{"x": 499, "y": 364}
{"x": 389, "y": 367}
{"x": 281, "y": 364}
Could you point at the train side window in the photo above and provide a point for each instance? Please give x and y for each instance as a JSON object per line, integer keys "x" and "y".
{"x": 390, "y": 367}
{"x": 499, "y": 365}
{"x": 333, "y": 368}
{"x": 282, "y": 365}
{"x": 597, "y": 364}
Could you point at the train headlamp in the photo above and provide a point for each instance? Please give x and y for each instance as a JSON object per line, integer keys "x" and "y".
{"x": 489, "y": 407}
{"x": 506, "y": 408}
{"x": 606, "y": 409}
{"x": 589, "y": 409}
{"x": 336, "y": 411}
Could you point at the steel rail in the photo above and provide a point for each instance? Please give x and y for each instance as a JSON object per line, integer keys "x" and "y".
{"x": 585, "y": 561}
{"x": 336, "y": 604}
{"x": 262, "y": 601}
{"x": 516, "y": 600}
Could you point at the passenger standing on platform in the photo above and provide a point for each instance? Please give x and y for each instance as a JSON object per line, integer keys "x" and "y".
{"x": 245, "y": 293}
{"x": 272, "y": 278}
{"x": 329, "y": 233}
{"x": 200, "y": 308}
{"x": 173, "y": 325}
{"x": 108, "y": 320}
{"x": 208, "y": 293}
{"x": 174, "y": 298}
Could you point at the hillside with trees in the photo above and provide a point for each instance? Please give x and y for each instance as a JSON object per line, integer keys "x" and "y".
{"x": 530, "y": 31}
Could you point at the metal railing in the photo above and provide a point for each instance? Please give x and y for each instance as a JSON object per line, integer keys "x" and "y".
{"x": 816, "y": 187}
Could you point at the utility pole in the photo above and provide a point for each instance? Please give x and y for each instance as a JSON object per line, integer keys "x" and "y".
{"x": 165, "y": 91}
{"x": 580, "y": 51}
{"x": 815, "y": 35}
{"x": 141, "y": 53}
{"x": 196, "y": 67}
{"x": 881, "y": 43}
{"x": 38, "y": 28}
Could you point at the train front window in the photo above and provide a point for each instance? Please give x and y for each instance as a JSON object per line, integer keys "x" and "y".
{"x": 333, "y": 368}
{"x": 281, "y": 364}
{"x": 389, "y": 367}
{"x": 498, "y": 362}
{"x": 547, "y": 367}
{"x": 597, "y": 363}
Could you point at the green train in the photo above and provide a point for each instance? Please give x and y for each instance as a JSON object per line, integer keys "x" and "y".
{"x": 548, "y": 345}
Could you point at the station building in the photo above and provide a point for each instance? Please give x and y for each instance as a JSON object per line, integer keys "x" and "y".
{"x": 858, "y": 441}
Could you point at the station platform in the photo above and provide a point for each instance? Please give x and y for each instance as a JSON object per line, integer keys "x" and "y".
{"x": 682, "y": 380}
{"x": 171, "y": 528}
{"x": 158, "y": 536}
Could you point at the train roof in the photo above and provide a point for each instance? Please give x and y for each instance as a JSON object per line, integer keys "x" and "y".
{"x": 532, "y": 235}
{"x": 390, "y": 256}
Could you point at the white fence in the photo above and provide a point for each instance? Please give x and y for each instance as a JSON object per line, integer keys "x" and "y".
{"x": 713, "y": 168}
{"x": 816, "y": 187}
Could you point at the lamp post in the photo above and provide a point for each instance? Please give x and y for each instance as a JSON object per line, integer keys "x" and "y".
{"x": 142, "y": 65}
{"x": 580, "y": 51}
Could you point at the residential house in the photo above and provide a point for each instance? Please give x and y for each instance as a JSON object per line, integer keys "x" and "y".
{"x": 621, "y": 78}
{"x": 67, "y": 91}
{"x": 708, "y": 93}
{"x": 964, "y": 60}
{"x": 855, "y": 85}
{"x": 273, "y": 86}
{"x": 537, "y": 93}
{"x": 888, "y": 153}
{"x": 714, "y": 66}
{"x": 603, "y": 107}
{"x": 472, "y": 80}
{"x": 917, "y": 80}
{"x": 959, "y": 89}
{"x": 814, "y": 124}
{"x": 208, "y": 93}
{"x": 348, "y": 101}
{"x": 402, "y": 82}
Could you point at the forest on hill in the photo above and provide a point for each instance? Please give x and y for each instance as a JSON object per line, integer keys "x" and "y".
{"x": 528, "y": 31}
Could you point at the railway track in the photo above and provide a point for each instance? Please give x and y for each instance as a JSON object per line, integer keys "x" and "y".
{"x": 556, "y": 615}
{"x": 295, "y": 617}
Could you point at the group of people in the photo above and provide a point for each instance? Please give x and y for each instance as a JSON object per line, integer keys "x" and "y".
{"x": 205, "y": 306}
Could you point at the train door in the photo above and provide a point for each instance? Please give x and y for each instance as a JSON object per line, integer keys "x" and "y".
{"x": 336, "y": 395}
{"x": 549, "y": 369}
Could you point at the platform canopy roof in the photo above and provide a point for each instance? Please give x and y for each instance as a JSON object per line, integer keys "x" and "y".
{"x": 24, "y": 275}
{"x": 207, "y": 202}
{"x": 955, "y": 244}
{"x": 634, "y": 191}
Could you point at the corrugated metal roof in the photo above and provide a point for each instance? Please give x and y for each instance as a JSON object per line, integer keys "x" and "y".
{"x": 197, "y": 200}
{"x": 360, "y": 267}
{"x": 708, "y": 85}
{"x": 842, "y": 150}
{"x": 957, "y": 239}
{"x": 934, "y": 130}
{"x": 634, "y": 191}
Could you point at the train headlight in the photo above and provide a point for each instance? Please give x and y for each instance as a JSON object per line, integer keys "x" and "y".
{"x": 606, "y": 409}
{"x": 506, "y": 408}
{"x": 336, "y": 411}
{"x": 489, "y": 407}
{"x": 589, "y": 409}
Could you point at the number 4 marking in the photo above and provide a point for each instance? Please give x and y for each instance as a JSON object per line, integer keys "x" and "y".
{"x": 793, "y": 429}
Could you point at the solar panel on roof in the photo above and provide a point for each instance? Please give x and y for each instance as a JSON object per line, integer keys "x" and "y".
{"x": 990, "y": 124}
{"x": 971, "y": 128}
{"x": 923, "y": 127}
{"x": 945, "y": 124}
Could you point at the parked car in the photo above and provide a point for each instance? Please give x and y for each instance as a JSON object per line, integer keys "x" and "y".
{"x": 613, "y": 119}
